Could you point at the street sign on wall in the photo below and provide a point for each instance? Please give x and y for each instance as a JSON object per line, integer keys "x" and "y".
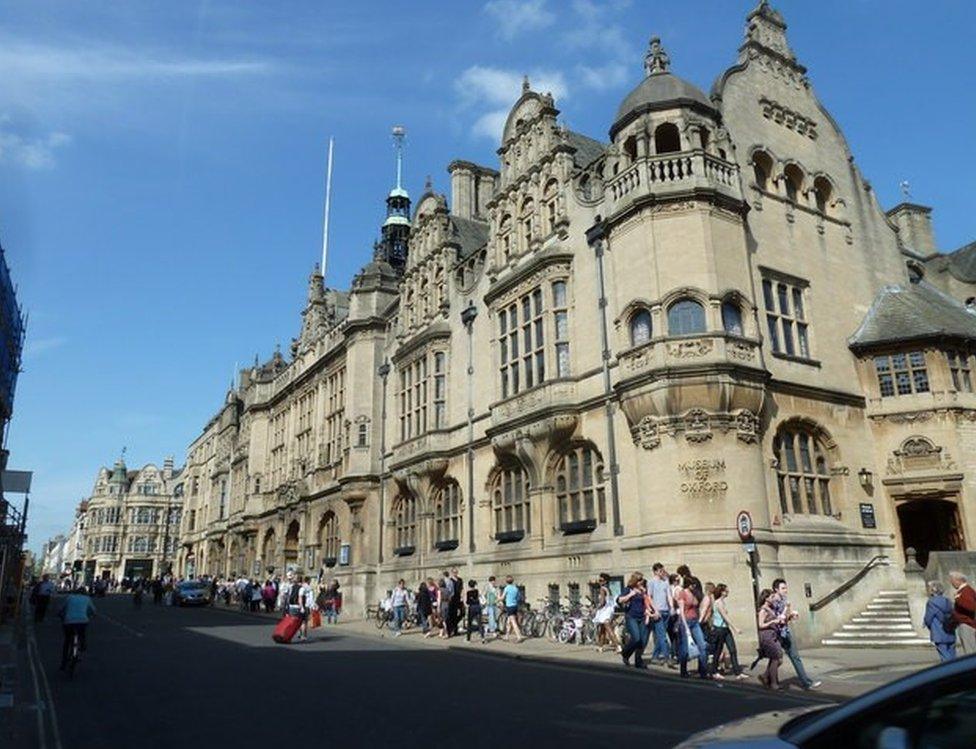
{"x": 743, "y": 524}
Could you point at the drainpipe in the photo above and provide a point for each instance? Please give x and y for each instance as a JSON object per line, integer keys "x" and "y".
{"x": 383, "y": 371}
{"x": 468, "y": 315}
{"x": 596, "y": 239}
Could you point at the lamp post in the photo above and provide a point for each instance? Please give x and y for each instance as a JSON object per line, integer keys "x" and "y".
{"x": 468, "y": 315}
{"x": 383, "y": 371}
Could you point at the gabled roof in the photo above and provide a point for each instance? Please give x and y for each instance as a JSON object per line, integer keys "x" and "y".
{"x": 470, "y": 235}
{"x": 916, "y": 312}
{"x": 961, "y": 264}
{"x": 587, "y": 149}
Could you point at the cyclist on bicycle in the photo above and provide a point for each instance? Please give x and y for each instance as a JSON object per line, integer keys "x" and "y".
{"x": 75, "y": 614}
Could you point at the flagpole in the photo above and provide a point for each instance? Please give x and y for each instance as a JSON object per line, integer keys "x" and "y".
{"x": 328, "y": 200}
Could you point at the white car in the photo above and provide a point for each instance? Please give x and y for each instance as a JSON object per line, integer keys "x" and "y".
{"x": 930, "y": 709}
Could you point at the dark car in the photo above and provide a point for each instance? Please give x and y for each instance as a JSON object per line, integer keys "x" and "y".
{"x": 931, "y": 708}
{"x": 191, "y": 593}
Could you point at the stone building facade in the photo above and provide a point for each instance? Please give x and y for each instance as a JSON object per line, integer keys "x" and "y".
{"x": 598, "y": 354}
{"x": 129, "y": 527}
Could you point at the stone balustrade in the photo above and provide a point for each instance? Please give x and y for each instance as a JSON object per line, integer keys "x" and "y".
{"x": 539, "y": 398}
{"x": 673, "y": 173}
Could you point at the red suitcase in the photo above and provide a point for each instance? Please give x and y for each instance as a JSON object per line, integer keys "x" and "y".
{"x": 286, "y": 629}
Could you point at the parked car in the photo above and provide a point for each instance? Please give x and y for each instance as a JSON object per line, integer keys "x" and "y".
{"x": 191, "y": 593}
{"x": 935, "y": 708}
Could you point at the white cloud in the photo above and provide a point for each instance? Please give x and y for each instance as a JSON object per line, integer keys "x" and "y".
{"x": 493, "y": 91}
{"x": 112, "y": 63}
{"x": 604, "y": 77}
{"x": 516, "y": 17}
{"x": 36, "y": 346}
{"x": 28, "y": 152}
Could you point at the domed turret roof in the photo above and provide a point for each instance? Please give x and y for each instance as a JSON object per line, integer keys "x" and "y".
{"x": 659, "y": 89}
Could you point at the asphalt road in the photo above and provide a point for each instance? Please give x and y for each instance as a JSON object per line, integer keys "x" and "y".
{"x": 187, "y": 678}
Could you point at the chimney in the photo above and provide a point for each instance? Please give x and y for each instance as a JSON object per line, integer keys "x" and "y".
{"x": 914, "y": 224}
{"x": 462, "y": 188}
{"x": 487, "y": 180}
{"x": 168, "y": 467}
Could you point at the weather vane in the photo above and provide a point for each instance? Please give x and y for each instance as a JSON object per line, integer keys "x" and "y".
{"x": 905, "y": 188}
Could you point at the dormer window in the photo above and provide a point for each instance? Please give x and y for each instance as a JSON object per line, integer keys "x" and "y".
{"x": 902, "y": 374}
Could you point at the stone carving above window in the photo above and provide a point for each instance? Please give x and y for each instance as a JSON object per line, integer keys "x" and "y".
{"x": 697, "y": 426}
{"x": 919, "y": 454}
{"x": 788, "y": 118}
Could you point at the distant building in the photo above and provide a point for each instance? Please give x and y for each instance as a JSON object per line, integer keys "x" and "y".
{"x": 129, "y": 527}
{"x": 595, "y": 355}
{"x": 12, "y": 520}
{"x": 53, "y": 556}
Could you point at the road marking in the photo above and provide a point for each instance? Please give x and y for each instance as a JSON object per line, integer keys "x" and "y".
{"x": 117, "y": 623}
{"x": 50, "y": 697}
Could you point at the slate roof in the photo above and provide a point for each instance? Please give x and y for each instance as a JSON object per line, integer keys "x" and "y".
{"x": 919, "y": 311}
{"x": 470, "y": 235}
{"x": 961, "y": 264}
{"x": 587, "y": 149}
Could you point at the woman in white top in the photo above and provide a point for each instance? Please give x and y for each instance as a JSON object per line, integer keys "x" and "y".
{"x": 603, "y": 618}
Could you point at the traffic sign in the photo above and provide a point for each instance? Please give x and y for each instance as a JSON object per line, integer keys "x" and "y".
{"x": 743, "y": 524}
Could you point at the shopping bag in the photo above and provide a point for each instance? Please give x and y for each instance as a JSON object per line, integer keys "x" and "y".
{"x": 316, "y": 619}
{"x": 693, "y": 652}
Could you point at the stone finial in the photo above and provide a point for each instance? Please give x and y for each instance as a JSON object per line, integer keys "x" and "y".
{"x": 428, "y": 184}
{"x": 656, "y": 60}
{"x": 525, "y": 84}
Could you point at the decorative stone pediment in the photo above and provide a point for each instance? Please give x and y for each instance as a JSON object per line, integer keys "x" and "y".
{"x": 697, "y": 426}
{"x": 919, "y": 454}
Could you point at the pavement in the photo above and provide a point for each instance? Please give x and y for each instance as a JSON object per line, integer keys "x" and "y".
{"x": 845, "y": 672}
{"x": 204, "y": 677}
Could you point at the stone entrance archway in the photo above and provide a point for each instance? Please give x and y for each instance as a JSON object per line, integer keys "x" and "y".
{"x": 930, "y": 525}
{"x": 291, "y": 543}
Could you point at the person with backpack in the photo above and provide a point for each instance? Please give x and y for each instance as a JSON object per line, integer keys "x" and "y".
{"x": 300, "y": 603}
{"x": 691, "y": 632}
{"x": 938, "y": 619}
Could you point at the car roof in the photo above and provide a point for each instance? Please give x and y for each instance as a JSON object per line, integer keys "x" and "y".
{"x": 947, "y": 671}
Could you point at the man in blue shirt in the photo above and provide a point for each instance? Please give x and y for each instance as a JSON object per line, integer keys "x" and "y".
{"x": 75, "y": 614}
{"x": 660, "y": 591}
{"x": 511, "y": 597}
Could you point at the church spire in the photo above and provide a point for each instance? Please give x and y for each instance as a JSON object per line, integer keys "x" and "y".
{"x": 396, "y": 227}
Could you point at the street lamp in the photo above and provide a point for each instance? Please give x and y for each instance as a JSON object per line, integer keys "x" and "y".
{"x": 866, "y": 478}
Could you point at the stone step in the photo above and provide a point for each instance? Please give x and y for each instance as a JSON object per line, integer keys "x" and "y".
{"x": 881, "y": 614}
{"x": 893, "y": 594}
{"x": 874, "y": 627}
{"x": 878, "y": 643}
{"x": 881, "y": 620}
{"x": 885, "y": 607}
{"x": 886, "y": 634}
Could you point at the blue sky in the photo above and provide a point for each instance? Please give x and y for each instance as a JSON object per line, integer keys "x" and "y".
{"x": 162, "y": 167}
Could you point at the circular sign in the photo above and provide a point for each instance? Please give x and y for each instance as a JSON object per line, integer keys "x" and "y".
{"x": 743, "y": 524}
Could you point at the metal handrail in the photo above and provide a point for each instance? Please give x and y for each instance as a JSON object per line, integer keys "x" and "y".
{"x": 837, "y": 592}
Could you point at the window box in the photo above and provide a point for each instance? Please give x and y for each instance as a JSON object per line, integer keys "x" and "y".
{"x": 577, "y": 526}
{"x": 404, "y": 551}
{"x": 446, "y": 545}
{"x": 330, "y": 561}
{"x": 508, "y": 537}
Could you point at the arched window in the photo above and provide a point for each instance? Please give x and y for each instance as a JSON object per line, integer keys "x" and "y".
{"x": 505, "y": 233}
{"x": 329, "y": 539}
{"x": 268, "y": 548}
{"x": 640, "y": 327}
{"x": 667, "y": 138}
{"x": 580, "y": 493}
{"x": 762, "y": 167}
{"x": 447, "y": 516}
{"x": 551, "y": 195}
{"x": 793, "y": 180}
{"x": 822, "y": 192}
{"x": 525, "y": 223}
{"x": 510, "y": 503}
{"x": 802, "y": 471}
{"x": 731, "y": 318}
{"x": 630, "y": 148}
{"x": 405, "y": 526}
{"x": 685, "y": 317}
